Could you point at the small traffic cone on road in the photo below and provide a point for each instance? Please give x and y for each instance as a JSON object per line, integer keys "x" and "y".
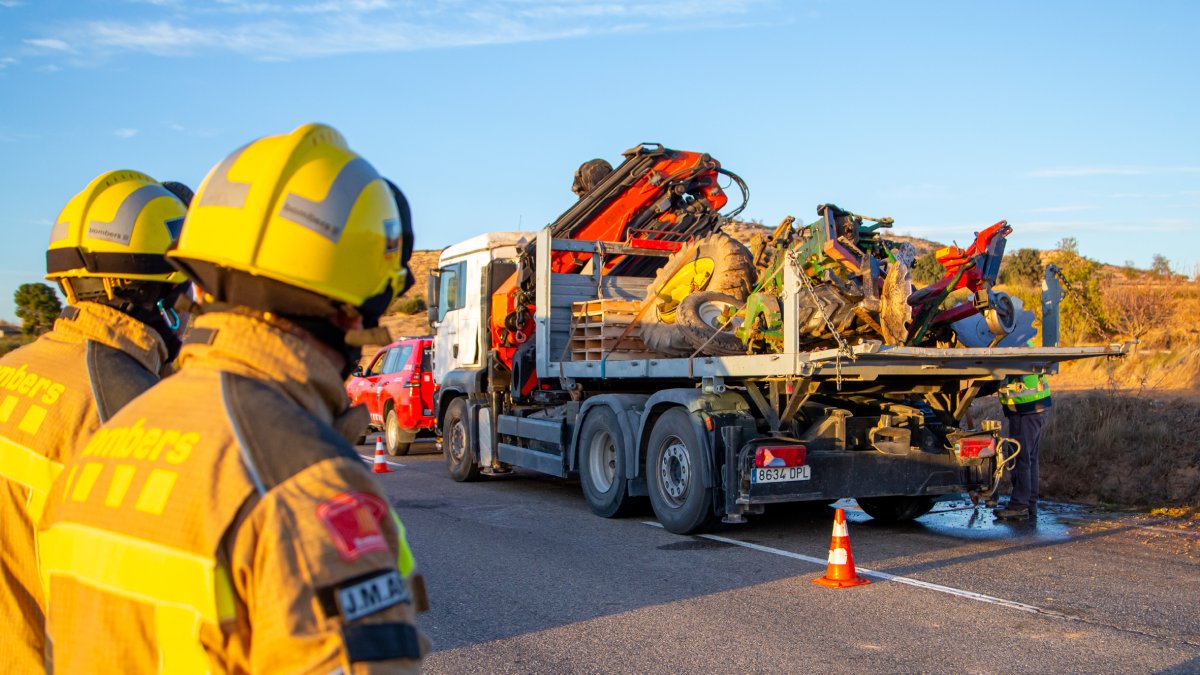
{"x": 381, "y": 465}
{"x": 840, "y": 572}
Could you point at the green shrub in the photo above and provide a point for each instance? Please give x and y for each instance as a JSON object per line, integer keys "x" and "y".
{"x": 413, "y": 305}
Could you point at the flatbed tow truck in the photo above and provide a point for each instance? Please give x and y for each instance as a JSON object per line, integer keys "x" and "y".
{"x": 707, "y": 438}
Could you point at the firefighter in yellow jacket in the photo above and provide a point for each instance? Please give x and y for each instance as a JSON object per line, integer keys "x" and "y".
{"x": 106, "y": 253}
{"x": 222, "y": 522}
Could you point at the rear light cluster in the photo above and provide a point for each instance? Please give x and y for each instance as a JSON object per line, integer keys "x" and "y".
{"x": 975, "y": 446}
{"x": 783, "y": 455}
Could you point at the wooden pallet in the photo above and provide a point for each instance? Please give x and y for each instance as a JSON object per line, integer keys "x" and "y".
{"x": 597, "y": 327}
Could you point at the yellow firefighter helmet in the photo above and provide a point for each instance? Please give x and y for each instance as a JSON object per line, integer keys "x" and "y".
{"x": 300, "y": 209}
{"x": 119, "y": 227}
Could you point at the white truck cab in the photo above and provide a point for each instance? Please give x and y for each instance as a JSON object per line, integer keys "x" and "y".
{"x": 455, "y": 298}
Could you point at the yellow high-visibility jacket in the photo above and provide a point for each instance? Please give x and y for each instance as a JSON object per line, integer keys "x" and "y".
{"x": 54, "y": 393}
{"x": 223, "y": 523}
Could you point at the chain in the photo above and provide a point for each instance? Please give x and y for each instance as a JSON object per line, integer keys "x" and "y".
{"x": 843, "y": 348}
{"x": 1081, "y": 301}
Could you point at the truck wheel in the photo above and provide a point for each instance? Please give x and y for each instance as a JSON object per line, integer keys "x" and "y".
{"x": 895, "y": 509}
{"x": 456, "y": 443}
{"x": 673, "y": 465}
{"x": 699, "y": 317}
{"x": 717, "y": 263}
{"x": 602, "y": 464}
{"x": 394, "y": 436}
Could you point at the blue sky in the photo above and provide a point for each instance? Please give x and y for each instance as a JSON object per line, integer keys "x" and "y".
{"x": 1065, "y": 118}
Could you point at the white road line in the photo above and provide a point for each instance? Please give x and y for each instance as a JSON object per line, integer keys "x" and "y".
{"x": 970, "y": 595}
{"x": 371, "y": 461}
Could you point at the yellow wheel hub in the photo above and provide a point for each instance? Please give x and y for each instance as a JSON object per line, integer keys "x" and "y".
{"x": 692, "y": 277}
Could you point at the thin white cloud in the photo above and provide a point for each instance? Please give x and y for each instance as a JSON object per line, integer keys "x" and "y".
{"x": 125, "y": 133}
{"x": 181, "y": 129}
{"x": 1155, "y": 195}
{"x": 1061, "y": 209}
{"x": 6, "y": 61}
{"x": 10, "y": 3}
{"x": 1091, "y": 171}
{"x": 282, "y": 31}
{"x": 53, "y": 44}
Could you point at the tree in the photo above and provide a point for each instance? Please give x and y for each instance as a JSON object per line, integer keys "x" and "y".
{"x": 1136, "y": 310}
{"x": 927, "y": 270}
{"x": 1160, "y": 266}
{"x": 37, "y": 307}
{"x": 1023, "y": 268}
{"x": 1082, "y": 310}
{"x": 1069, "y": 245}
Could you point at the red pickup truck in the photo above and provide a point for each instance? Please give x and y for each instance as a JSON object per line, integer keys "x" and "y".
{"x": 397, "y": 388}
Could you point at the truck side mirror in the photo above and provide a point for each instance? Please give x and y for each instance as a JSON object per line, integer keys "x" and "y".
{"x": 358, "y": 372}
{"x": 431, "y": 296}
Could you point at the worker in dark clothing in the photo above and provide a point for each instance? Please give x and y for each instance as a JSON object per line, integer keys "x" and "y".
{"x": 1025, "y": 400}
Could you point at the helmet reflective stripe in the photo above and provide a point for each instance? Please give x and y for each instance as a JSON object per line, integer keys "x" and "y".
{"x": 120, "y": 229}
{"x": 328, "y": 216}
{"x": 60, "y": 231}
{"x": 220, "y": 190}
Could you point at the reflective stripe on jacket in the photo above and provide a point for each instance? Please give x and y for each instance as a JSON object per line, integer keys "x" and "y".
{"x": 241, "y": 532}
{"x": 54, "y": 393}
{"x": 1027, "y": 394}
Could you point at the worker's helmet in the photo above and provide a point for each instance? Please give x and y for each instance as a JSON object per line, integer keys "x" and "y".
{"x": 589, "y": 174}
{"x": 300, "y": 225}
{"x": 117, "y": 230}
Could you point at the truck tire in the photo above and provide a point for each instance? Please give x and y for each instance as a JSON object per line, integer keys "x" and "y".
{"x": 673, "y": 475}
{"x": 699, "y": 318}
{"x": 602, "y": 464}
{"x": 732, "y": 273}
{"x": 394, "y": 436}
{"x": 896, "y": 509}
{"x": 456, "y": 443}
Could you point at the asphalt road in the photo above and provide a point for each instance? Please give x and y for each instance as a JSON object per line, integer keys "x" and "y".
{"x": 523, "y": 578}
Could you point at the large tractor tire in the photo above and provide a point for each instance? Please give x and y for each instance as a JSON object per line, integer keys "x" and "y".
{"x": 717, "y": 263}
{"x": 704, "y": 321}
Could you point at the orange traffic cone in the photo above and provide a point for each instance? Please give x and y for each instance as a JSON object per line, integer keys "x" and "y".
{"x": 381, "y": 465}
{"x": 840, "y": 572}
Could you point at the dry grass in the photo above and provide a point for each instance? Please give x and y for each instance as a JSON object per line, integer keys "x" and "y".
{"x": 1119, "y": 448}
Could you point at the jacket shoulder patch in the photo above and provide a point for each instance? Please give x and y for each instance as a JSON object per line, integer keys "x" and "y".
{"x": 116, "y": 377}
{"x": 279, "y": 439}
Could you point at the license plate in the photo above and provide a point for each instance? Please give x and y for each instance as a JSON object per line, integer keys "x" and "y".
{"x": 781, "y": 474}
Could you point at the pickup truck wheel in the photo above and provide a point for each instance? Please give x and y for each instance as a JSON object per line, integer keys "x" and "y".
{"x": 673, "y": 465}
{"x": 701, "y": 315}
{"x": 896, "y": 509}
{"x": 394, "y": 436}
{"x": 456, "y": 443}
{"x": 602, "y": 464}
